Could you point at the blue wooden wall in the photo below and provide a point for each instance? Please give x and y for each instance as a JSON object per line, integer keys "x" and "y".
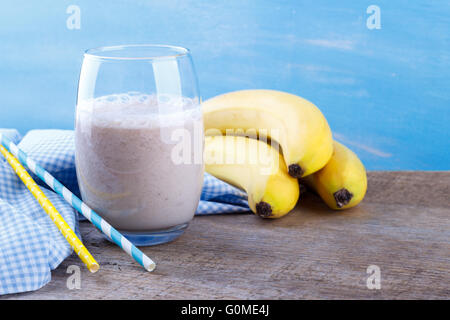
{"x": 384, "y": 91}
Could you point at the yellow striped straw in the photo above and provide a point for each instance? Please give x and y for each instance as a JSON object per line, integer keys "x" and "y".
{"x": 59, "y": 221}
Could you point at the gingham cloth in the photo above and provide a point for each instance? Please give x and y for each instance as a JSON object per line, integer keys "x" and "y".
{"x": 30, "y": 244}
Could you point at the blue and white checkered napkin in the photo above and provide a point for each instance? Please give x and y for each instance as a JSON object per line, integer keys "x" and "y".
{"x": 30, "y": 244}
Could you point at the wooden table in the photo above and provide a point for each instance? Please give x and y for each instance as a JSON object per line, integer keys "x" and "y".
{"x": 403, "y": 227}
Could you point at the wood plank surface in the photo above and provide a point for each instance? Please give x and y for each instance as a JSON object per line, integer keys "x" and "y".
{"x": 402, "y": 226}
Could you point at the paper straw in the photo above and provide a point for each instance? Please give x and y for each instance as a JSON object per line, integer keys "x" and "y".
{"x": 57, "y": 219}
{"x": 79, "y": 205}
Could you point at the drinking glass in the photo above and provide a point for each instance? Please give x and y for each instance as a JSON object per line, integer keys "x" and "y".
{"x": 139, "y": 139}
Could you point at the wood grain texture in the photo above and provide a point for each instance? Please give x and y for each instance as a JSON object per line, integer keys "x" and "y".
{"x": 403, "y": 226}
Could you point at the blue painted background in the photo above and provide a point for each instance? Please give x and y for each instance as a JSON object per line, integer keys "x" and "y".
{"x": 385, "y": 93}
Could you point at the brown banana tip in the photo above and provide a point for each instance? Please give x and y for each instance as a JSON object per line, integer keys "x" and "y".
{"x": 295, "y": 170}
{"x": 342, "y": 197}
{"x": 263, "y": 209}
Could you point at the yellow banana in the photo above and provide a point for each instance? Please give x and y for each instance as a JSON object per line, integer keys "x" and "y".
{"x": 295, "y": 123}
{"x": 342, "y": 183}
{"x": 255, "y": 167}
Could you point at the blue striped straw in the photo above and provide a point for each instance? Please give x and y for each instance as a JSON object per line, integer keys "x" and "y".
{"x": 79, "y": 205}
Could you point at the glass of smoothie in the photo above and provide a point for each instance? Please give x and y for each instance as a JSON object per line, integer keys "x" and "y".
{"x": 139, "y": 139}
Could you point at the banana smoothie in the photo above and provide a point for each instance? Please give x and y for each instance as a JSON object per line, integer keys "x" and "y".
{"x": 139, "y": 159}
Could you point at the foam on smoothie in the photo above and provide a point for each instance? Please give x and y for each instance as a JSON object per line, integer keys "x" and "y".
{"x": 138, "y": 110}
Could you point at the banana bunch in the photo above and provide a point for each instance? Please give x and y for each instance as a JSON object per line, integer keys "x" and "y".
{"x": 292, "y": 124}
{"x": 296, "y": 124}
